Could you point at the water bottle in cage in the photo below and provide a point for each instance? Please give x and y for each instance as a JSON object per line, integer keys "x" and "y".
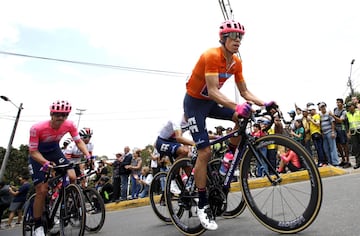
{"x": 226, "y": 162}
{"x": 188, "y": 180}
{"x": 193, "y": 154}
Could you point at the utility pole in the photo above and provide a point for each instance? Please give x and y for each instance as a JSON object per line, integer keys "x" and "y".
{"x": 349, "y": 83}
{"x": 80, "y": 113}
{"x": 8, "y": 150}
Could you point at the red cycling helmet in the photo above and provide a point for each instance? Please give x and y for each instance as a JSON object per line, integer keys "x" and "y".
{"x": 231, "y": 26}
{"x": 60, "y": 106}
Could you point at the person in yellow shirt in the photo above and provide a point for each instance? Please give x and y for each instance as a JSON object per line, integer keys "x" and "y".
{"x": 314, "y": 121}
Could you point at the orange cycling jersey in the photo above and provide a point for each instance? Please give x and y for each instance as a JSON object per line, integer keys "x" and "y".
{"x": 212, "y": 62}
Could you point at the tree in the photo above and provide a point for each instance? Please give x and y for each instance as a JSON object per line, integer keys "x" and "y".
{"x": 17, "y": 162}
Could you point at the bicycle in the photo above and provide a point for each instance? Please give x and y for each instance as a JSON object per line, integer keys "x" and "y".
{"x": 64, "y": 206}
{"x": 157, "y": 200}
{"x": 94, "y": 204}
{"x": 285, "y": 203}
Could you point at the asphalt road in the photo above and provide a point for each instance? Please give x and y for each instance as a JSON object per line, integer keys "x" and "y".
{"x": 339, "y": 215}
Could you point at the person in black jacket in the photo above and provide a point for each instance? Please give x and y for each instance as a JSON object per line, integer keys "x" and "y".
{"x": 5, "y": 198}
{"x": 116, "y": 182}
{"x": 124, "y": 172}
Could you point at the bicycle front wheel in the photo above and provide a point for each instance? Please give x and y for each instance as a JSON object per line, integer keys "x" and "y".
{"x": 28, "y": 224}
{"x": 95, "y": 210}
{"x": 157, "y": 197}
{"x": 73, "y": 214}
{"x": 288, "y": 202}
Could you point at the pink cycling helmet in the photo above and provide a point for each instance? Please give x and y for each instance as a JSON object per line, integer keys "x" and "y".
{"x": 231, "y": 26}
{"x": 60, "y": 106}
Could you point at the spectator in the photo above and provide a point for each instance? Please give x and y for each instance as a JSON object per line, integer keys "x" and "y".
{"x": 292, "y": 115}
{"x": 101, "y": 171}
{"x": 315, "y": 130}
{"x": 116, "y": 181}
{"x": 299, "y": 114}
{"x": 145, "y": 179}
{"x": 327, "y": 123}
{"x": 355, "y": 100}
{"x": 258, "y": 132}
{"x": 306, "y": 125}
{"x": 105, "y": 188}
{"x": 5, "y": 198}
{"x": 229, "y": 130}
{"x": 272, "y": 149}
{"x": 124, "y": 173}
{"x": 289, "y": 160}
{"x": 135, "y": 168}
{"x": 154, "y": 164}
{"x": 18, "y": 200}
{"x": 219, "y": 130}
{"x": 341, "y": 136}
{"x": 299, "y": 133}
{"x": 353, "y": 116}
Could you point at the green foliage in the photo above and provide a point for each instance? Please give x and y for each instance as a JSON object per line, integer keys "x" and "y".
{"x": 17, "y": 163}
{"x": 348, "y": 98}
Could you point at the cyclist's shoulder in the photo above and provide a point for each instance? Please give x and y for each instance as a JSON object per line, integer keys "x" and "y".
{"x": 41, "y": 125}
{"x": 212, "y": 52}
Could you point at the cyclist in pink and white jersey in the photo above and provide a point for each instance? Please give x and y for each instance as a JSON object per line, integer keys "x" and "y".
{"x": 75, "y": 155}
{"x": 45, "y": 151}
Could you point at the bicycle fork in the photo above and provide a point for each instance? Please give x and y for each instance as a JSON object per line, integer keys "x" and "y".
{"x": 260, "y": 158}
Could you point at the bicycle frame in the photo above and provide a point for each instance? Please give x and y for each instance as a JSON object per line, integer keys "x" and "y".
{"x": 60, "y": 200}
{"x": 246, "y": 142}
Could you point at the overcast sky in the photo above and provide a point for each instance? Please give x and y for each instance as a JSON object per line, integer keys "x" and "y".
{"x": 293, "y": 51}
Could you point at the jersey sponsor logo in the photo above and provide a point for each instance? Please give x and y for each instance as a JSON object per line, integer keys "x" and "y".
{"x": 164, "y": 147}
{"x": 200, "y": 141}
{"x": 192, "y": 125}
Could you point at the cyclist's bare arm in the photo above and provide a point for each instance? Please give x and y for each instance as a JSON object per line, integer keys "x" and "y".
{"x": 82, "y": 146}
{"x": 38, "y": 157}
{"x": 181, "y": 139}
{"x": 212, "y": 84}
{"x": 247, "y": 95}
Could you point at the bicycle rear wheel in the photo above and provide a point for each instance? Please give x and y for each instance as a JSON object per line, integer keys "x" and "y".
{"x": 28, "y": 224}
{"x": 95, "y": 210}
{"x": 290, "y": 203}
{"x": 73, "y": 215}
{"x": 188, "y": 222}
{"x": 157, "y": 197}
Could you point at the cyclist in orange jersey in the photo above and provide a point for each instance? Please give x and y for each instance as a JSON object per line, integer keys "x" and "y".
{"x": 203, "y": 98}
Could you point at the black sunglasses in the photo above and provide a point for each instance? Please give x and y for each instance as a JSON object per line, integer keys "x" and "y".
{"x": 86, "y": 136}
{"x": 234, "y": 35}
{"x": 60, "y": 114}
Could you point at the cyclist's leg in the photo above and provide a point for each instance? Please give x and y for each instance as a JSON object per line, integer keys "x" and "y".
{"x": 41, "y": 190}
{"x": 197, "y": 111}
{"x": 72, "y": 175}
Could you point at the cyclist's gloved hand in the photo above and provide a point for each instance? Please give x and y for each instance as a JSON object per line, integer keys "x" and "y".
{"x": 45, "y": 167}
{"x": 90, "y": 161}
{"x": 243, "y": 110}
{"x": 270, "y": 105}
{"x": 90, "y": 158}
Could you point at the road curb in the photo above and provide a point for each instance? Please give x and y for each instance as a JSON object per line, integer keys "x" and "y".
{"x": 326, "y": 171}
